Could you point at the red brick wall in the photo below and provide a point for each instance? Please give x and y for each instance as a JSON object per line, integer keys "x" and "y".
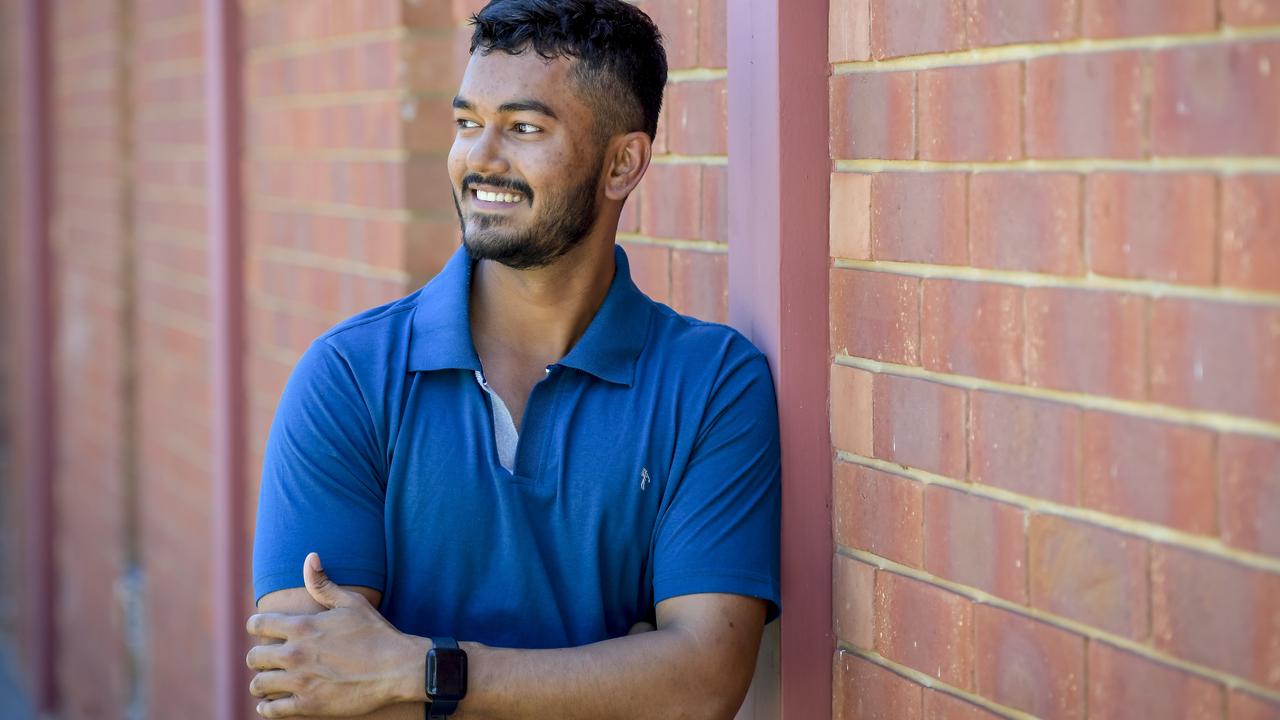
{"x": 88, "y": 235}
{"x": 1055, "y": 303}
{"x": 674, "y": 228}
{"x": 174, "y": 490}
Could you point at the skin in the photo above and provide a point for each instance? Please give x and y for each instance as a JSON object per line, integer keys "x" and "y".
{"x": 326, "y": 651}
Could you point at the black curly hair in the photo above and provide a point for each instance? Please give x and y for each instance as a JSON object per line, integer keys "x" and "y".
{"x": 621, "y": 65}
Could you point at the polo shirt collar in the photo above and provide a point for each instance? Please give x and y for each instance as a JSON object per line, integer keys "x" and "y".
{"x": 441, "y": 335}
{"x": 609, "y": 349}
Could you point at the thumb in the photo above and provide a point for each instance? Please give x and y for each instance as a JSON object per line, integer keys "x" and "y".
{"x": 325, "y": 591}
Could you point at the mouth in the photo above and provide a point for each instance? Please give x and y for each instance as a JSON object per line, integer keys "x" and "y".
{"x": 496, "y": 201}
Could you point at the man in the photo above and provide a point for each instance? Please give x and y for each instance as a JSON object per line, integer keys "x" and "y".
{"x": 560, "y": 497}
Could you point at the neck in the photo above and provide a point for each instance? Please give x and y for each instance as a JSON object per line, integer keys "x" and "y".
{"x": 540, "y": 313}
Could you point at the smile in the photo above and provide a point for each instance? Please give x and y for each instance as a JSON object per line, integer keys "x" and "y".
{"x": 497, "y": 198}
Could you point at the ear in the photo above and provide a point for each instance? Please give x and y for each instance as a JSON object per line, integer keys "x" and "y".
{"x": 627, "y": 160}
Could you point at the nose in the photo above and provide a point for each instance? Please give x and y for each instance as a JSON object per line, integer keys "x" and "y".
{"x": 485, "y": 156}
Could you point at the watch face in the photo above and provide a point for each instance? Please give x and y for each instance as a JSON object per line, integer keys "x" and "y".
{"x": 447, "y": 673}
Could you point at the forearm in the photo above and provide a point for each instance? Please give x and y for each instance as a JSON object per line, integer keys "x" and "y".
{"x": 663, "y": 673}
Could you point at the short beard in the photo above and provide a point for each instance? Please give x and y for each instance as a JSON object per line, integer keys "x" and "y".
{"x": 566, "y": 220}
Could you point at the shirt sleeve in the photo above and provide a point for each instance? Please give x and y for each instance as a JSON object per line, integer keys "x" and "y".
{"x": 720, "y": 532}
{"x": 321, "y": 481}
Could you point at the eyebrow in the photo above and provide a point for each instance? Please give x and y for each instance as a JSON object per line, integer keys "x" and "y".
{"x": 461, "y": 103}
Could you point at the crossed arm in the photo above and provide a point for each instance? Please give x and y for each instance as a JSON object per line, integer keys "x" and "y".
{"x": 331, "y": 654}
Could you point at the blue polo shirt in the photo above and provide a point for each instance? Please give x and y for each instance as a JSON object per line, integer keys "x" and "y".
{"x": 647, "y": 467}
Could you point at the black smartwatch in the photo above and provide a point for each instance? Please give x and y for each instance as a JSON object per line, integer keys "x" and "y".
{"x": 446, "y": 677}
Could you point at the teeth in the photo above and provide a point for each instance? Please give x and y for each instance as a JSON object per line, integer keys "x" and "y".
{"x": 487, "y": 196}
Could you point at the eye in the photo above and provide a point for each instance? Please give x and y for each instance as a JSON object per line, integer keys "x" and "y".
{"x": 465, "y": 124}
{"x": 526, "y": 128}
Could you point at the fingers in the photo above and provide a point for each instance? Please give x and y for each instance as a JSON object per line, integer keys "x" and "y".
{"x": 284, "y": 707}
{"x": 325, "y": 591}
{"x": 269, "y": 657}
{"x": 272, "y": 684}
{"x": 273, "y": 625}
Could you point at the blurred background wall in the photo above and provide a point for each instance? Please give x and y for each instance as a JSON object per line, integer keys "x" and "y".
{"x": 347, "y": 205}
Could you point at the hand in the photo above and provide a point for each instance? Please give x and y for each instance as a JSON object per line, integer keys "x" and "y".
{"x": 345, "y": 660}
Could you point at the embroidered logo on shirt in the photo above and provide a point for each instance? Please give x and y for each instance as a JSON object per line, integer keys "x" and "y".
{"x": 644, "y": 479}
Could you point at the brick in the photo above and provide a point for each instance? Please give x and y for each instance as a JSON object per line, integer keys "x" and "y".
{"x": 919, "y": 217}
{"x": 939, "y": 705}
{"x": 873, "y": 115}
{"x": 1215, "y": 612}
{"x": 700, "y": 284}
{"x": 971, "y": 328}
{"x": 925, "y": 628}
{"x": 1028, "y": 664}
{"x": 1123, "y": 685}
{"x": 1085, "y": 105}
{"x": 1249, "y": 473}
{"x": 915, "y": 27}
{"x": 427, "y": 15}
{"x": 976, "y": 542}
{"x": 464, "y": 9}
{"x": 715, "y": 203}
{"x": 1090, "y": 574}
{"x": 1106, "y": 18}
{"x": 1025, "y": 221}
{"x": 1216, "y": 356}
{"x": 713, "y": 35}
{"x": 1027, "y": 446}
{"x": 919, "y": 424}
{"x": 1149, "y": 470}
{"x": 853, "y": 599}
{"x": 650, "y": 269}
{"x": 1243, "y": 705}
{"x": 670, "y": 201}
{"x": 863, "y": 690}
{"x": 1250, "y": 12}
{"x": 851, "y": 216}
{"x": 875, "y": 315}
{"x": 970, "y": 113}
{"x": 1152, "y": 226}
{"x": 677, "y": 20}
{"x": 851, "y": 409}
{"x": 1250, "y": 251}
{"x": 629, "y": 218}
{"x": 1086, "y": 341}
{"x": 878, "y": 512}
{"x": 1216, "y": 100}
{"x": 1001, "y": 22}
{"x": 425, "y": 124}
{"x": 428, "y": 246}
{"x": 660, "y": 132}
{"x": 698, "y": 117}
{"x": 849, "y": 34}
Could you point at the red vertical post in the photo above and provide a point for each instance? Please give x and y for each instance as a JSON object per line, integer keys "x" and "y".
{"x": 226, "y": 296}
{"x": 778, "y": 276}
{"x": 36, "y": 389}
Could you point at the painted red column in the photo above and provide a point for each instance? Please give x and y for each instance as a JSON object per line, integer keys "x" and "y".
{"x": 223, "y": 112}
{"x": 778, "y": 275}
{"x": 36, "y": 406}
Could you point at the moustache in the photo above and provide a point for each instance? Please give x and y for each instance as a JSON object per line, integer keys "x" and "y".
{"x": 497, "y": 182}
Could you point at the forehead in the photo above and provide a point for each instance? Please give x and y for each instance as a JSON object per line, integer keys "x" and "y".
{"x": 499, "y": 77}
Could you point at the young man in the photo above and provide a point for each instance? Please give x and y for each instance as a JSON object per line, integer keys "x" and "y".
{"x": 560, "y": 497}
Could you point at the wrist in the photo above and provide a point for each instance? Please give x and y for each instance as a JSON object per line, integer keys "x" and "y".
{"x": 411, "y": 685}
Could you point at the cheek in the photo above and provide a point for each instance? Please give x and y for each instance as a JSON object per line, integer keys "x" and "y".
{"x": 457, "y": 163}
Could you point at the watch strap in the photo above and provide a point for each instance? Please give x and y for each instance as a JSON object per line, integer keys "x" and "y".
{"x": 441, "y": 708}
